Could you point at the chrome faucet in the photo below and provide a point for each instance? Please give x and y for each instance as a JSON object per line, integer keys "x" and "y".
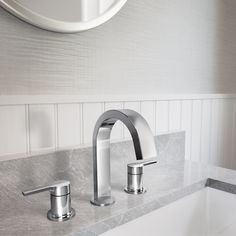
{"x": 144, "y": 147}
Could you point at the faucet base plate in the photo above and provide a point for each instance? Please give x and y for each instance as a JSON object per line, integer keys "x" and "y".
{"x": 136, "y": 192}
{"x": 65, "y": 217}
{"x": 103, "y": 201}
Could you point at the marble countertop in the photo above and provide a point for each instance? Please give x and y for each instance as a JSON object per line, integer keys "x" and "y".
{"x": 165, "y": 182}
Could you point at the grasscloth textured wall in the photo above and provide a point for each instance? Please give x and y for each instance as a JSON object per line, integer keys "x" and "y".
{"x": 150, "y": 46}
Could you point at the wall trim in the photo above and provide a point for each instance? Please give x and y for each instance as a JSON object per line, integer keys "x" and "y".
{"x": 64, "y": 99}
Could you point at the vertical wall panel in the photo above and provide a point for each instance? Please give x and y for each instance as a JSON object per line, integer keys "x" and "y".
{"x": 225, "y": 134}
{"x": 214, "y": 132}
{"x": 12, "y": 130}
{"x": 117, "y": 130}
{"x": 42, "y": 127}
{"x": 148, "y": 112}
{"x": 162, "y": 117}
{"x": 174, "y": 115}
{"x": 230, "y": 131}
{"x": 133, "y": 106}
{"x": 206, "y": 131}
{"x": 186, "y": 125}
{"x": 91, "y": 112}
{"x": 69, "y": 121}
{"x": 220, "y": 127}
{"x": 233, "y": 136}
{"x": 196, "y": 130}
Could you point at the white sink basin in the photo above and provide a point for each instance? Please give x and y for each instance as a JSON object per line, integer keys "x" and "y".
{"x": 207, "y": 212}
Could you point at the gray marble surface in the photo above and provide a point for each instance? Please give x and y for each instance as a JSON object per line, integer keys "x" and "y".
{"x": 171, "y": 179}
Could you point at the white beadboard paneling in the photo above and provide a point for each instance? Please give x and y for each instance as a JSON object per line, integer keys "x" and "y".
{"x": 69, "y": 125}
{"x": 42, "y": 128}
{"x": 148, "y": 111}
{"x": 174, "y": 115}
{"x": 133, "y": 106}
{"x": 186, "y": 125}
{"x": 117, "y": 130}
{"x": 230, "y": 129}
{"x": 233, "y": 136}
{"x": 206, "y": 130}
{"x": 196, "y": 130}
{"x": 225, "y": 132}
{"x": 91, "y": 112}
{"x": 209, "y": 123}
{"x": 13, "y": 137}
{"x": 214, "y": 132}
{"x": 221, "y": 117}
{"x": 162, "y": 117}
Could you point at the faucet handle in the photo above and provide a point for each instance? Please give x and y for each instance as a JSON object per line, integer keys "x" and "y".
{"x": 61, "y": 209}
{"x": 137, "y": 167}
{"x": 135, "y": 176}
{"x": 57, "y": 188}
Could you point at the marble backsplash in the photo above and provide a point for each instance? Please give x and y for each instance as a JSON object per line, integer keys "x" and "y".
{"x": 46, "y": 168}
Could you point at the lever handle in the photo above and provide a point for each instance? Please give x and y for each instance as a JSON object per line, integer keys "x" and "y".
{"x": 137, "y": 167}
{"x": 143, "y": 163}
{"x": 57, "y": 188}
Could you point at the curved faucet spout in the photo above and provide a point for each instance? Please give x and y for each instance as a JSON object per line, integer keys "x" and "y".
{"x": 144, "y": 146}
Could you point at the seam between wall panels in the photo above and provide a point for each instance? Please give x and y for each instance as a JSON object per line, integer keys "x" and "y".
{"x": 180, "y": 118}
{"x": 27, "y": 129}
{"x": 123, "y": 127}
{"x": 233, "y": 134}
{"x": 168, "y": 115}
{"x": 56, "y": 135}
{"x": 210, "y": 131}
{"x": 191, "y": 133}
{"x": 155, "y": 117}
{"x": 82, "y": 122}
{"x": 200, "y": 151}
{"x": 29, "y": 122}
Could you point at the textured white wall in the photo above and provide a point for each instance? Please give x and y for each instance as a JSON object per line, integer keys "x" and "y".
{"x": 151, "y": 46}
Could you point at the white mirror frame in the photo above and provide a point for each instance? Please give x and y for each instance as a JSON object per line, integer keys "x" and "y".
{"x": 40, "y": 21}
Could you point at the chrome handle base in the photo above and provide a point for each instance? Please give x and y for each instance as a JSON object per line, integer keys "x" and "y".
{"x": 135, "y": 176}
{"x": 58, "y": 218}
{"x": 135, "y": 191}
{"x": 103, "y": 201}
{"x": 135, "y": 184}
{"x": 60, "y": 196}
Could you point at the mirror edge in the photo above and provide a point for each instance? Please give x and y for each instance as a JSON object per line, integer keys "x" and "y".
{"x": 45, "y": 23}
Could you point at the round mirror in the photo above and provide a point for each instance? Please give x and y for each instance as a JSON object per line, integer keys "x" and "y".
{"x": 66, "y": 16}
